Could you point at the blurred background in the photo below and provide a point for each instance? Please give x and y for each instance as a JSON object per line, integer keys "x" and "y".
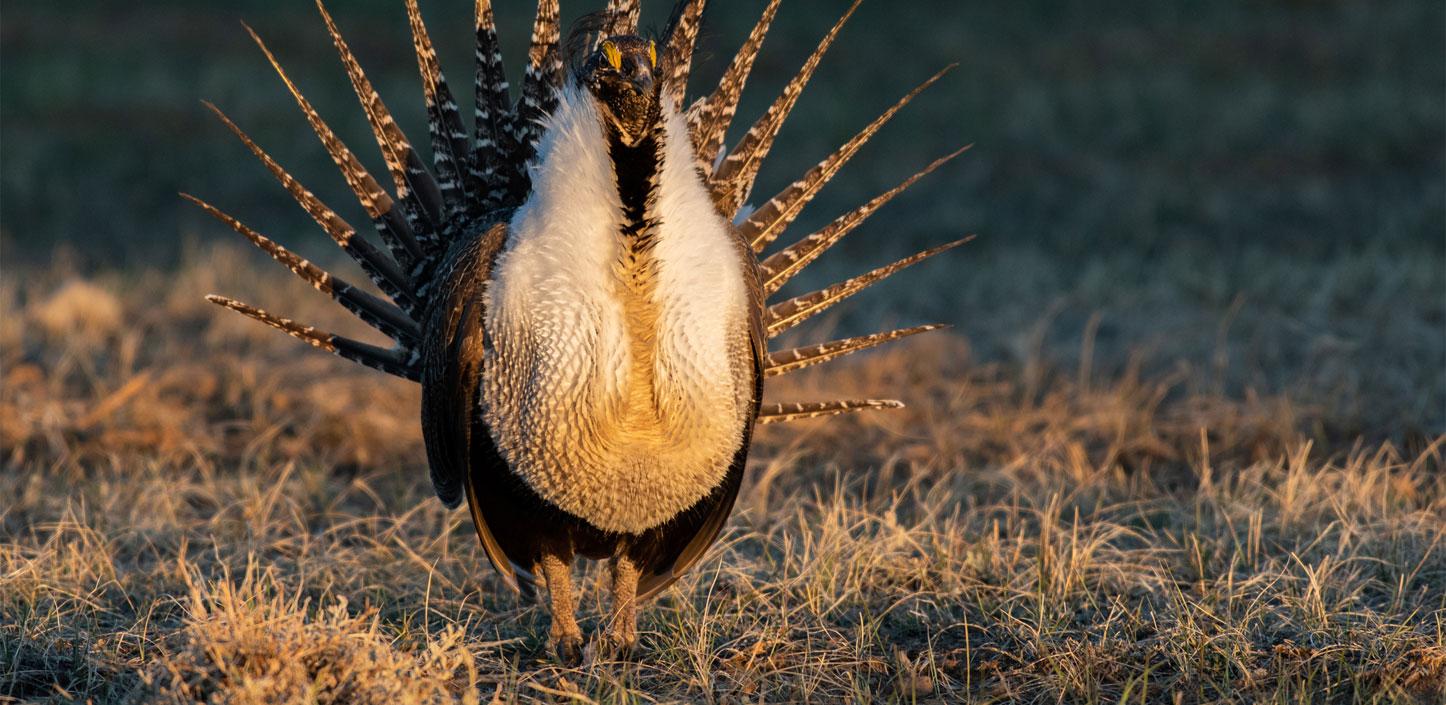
{"x": 1251, "y": 190}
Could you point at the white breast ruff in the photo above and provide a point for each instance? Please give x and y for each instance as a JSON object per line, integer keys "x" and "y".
{"x": 556, "y": 374}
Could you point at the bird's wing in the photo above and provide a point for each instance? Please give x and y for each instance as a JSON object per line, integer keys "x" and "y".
{"x": 452, "y": 350}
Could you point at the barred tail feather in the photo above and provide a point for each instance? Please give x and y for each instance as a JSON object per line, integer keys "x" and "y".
{"x": 766, "y": 223}
{"x": 678, "y": 55}
{"x": 379, "y": 268}
{"x": 493, "y": 129}
{"x": 783, "y": 265}
{"x": 779, "y": 413}
{"x": 381, "y": 315}
{"x": 394, "y": 231}
{"x": 734, "y": 178}
{"x": 450, "y": 154}
{"x": 416, "y": 189}
{"x": 541, "y": 81}
{"x": 786, "y": 361}
{"x": 393, "y": 361}
{"x": 624, "y": 15}
{"x": 787, "y": 314}
{"x": 709, "y": 118}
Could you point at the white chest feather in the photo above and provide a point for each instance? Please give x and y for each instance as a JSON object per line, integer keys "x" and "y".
{"x": 622, "y": 404}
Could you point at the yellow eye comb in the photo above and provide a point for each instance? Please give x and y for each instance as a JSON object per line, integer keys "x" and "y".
{"x": 614, "y": 56}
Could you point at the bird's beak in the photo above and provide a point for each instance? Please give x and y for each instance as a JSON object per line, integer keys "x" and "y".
{"x": 643, "y": 82}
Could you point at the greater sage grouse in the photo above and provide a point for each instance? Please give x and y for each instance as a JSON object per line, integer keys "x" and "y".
{"x": 575, "y": 283}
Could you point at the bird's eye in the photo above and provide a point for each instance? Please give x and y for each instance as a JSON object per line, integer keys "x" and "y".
{"x": 613, "y": 55}
{"x": 653, "y": 53}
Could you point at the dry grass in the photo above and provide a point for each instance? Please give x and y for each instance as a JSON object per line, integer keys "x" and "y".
{"x": 196, "y": 509}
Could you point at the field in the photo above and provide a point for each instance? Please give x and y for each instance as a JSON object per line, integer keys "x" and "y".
{"x": 1183, "y": 444}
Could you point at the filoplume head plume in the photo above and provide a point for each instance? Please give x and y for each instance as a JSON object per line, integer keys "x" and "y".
{"x": 610, "y": 321}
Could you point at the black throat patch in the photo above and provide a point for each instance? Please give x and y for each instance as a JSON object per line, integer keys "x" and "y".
{"x": 636, "y": 171}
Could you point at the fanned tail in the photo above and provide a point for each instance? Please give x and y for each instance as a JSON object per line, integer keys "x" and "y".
{"x": 478, "y": 174}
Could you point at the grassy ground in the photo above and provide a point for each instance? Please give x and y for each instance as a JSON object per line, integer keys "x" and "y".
{"x": 201, "y": 510}
{"x": 1184, "y": 443}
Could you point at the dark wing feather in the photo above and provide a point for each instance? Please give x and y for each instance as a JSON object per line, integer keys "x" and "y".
{"x": 452, "y": 359}
{"x": 452, "y": 378}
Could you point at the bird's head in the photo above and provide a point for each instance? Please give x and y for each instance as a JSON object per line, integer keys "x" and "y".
{"x": 621, "y": 74}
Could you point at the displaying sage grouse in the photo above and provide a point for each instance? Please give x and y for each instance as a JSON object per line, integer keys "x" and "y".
{"x": 576, "y": 287}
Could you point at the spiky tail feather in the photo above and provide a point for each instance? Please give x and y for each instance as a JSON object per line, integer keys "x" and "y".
{"x": 450, "y": 153}
{"x": 394, "y": 231}
{"x": 710, "y": 116}
{"x": 381, "y": 315}
{"x": 393, "y": 361}
{"x": 678, "y": 54}
{"x": 492, "y": 129}
{"x": 382, "y": 270}
{"x": 787, "y": 314}
{"x": 542, "y": 79}
{"x": 783, "y": 265}
{"x": 797, "y": 411}
{"x": 769, "y": 221}
{"x": 784, "y": 361}
{"x": 733, "y": 181}
{"x": 417, "y": 191}
{"x": 491, "y": 175}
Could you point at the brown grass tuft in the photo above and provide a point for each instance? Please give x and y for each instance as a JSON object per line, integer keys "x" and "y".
{"x": 254, "y": 641}
{"x": 79, "y": 310}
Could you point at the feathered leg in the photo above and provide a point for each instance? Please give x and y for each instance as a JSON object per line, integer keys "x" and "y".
{"x": 622, "y": 629}
{"x": 566, "y": 636}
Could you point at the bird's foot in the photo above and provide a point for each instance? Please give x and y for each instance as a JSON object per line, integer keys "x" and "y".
{"x": 619, "y": 640}
{"x": 619, "y": 643}
{"x": 568, "y": 648}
